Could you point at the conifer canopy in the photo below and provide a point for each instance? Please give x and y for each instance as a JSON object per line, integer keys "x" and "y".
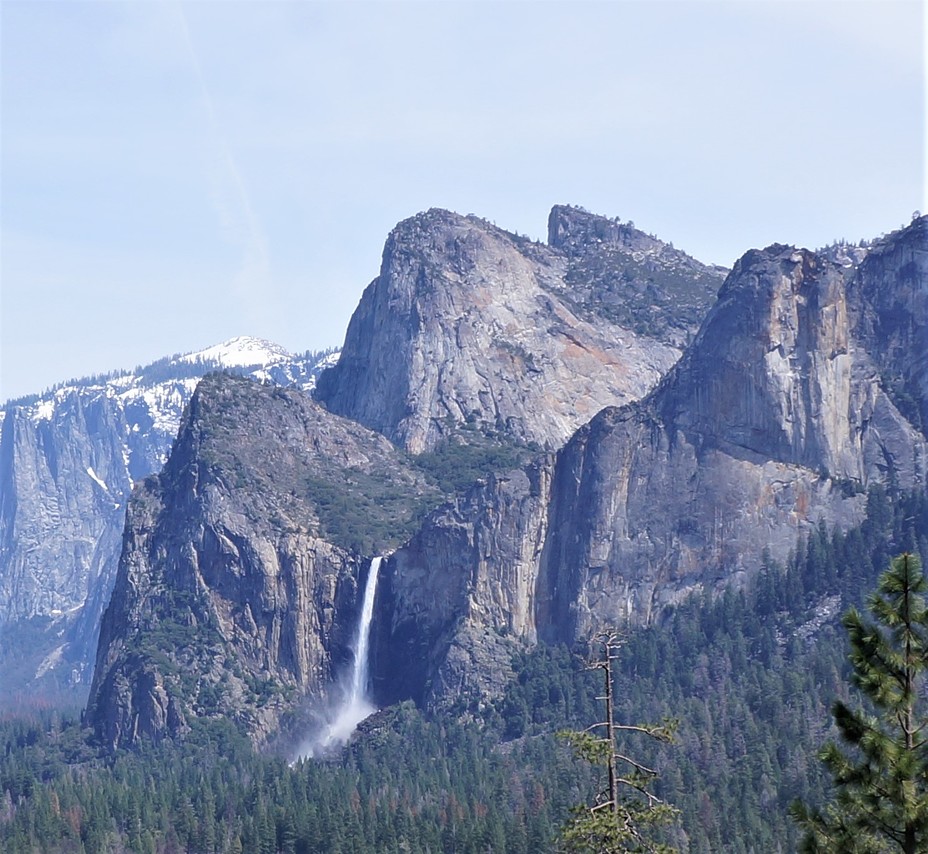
{"x": 880, "y": 773}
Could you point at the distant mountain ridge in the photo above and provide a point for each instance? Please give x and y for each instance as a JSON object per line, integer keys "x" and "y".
{"x": 68, "y": 460}
{"x": 257, "y": 355}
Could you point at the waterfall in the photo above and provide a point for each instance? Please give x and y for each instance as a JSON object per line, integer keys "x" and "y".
{"x": 356, "y": 705}
{"x": 359, "y": 673}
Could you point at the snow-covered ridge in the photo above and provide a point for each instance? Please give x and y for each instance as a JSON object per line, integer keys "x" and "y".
{"x": 241, "y": 352}
{"x": 236, "y": 353}
{"x": 76, "y": 451}
{"x": 150, "y": 399}
{"x": 171, "y": 380}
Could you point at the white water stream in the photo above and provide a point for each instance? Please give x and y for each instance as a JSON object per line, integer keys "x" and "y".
{"x": 356, "y": 705}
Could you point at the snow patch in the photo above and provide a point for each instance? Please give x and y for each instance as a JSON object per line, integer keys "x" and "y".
{"x": 122, "y": 381}
{"x": 241, "y": 352}
{"x": 93, "y": 474}
{"x": 330, "y": 361}
{"x": 44, "y": 410}
{"x": 165, "y": 402}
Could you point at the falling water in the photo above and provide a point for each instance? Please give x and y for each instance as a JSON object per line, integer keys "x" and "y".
{"x": 356, "y": 706}
{"x": 359, "y": 674}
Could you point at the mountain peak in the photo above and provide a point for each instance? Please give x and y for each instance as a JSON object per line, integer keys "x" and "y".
{"x": 68, "y": 462}
{"x": 468, "y": 324}
{"x": 569, "y": 227}
{"x": 240, "y": 352}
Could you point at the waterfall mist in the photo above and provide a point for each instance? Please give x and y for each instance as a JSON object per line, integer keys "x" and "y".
{"x": 342, "y": 719}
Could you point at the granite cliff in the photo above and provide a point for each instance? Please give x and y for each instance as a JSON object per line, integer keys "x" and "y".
{"x": 889, "y": 313}
{"x": 237, "y": 589}
{"x": 469, "y": 334}
{"x": 468, "y": 324}
{"x": 804, "y": 385}
{"x": 778, "y": 416}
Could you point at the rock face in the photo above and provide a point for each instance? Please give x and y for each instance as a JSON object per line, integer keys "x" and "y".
{"x": 68, "y": 460}
{"x": 778, "y": 416}
{"x": 889, "y": 299}
{"x": 631, "y": 278}
{"x": 238, "y": 585}
{"x": 237, "y": 590}
{"x": 775, "y": 373}
{"x": 459, "y": 598}
{"x": 468, "y": 324}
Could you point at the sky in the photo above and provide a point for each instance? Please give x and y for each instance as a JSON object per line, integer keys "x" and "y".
{"x": 174, "y": 174}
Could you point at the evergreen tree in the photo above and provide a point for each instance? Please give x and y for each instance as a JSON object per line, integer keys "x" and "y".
{"x": 881, "y": 802}
{"x": 624, "y": 816}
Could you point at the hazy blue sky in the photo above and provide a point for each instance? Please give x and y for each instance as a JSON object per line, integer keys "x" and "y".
{"x": 174, "y": 174}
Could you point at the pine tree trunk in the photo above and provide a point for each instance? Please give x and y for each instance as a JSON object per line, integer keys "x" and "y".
{"x": 610, "y": 728}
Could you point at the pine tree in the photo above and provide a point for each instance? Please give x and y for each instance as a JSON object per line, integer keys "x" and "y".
{"x": 628, "y": 810}
{"x": 881, "y": 781}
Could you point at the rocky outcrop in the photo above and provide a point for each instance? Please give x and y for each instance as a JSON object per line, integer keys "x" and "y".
{"x": 777, "y": 374}
{"x": 775, "y": 418}
{"x": 889, "y": 305}
{"x": 459, "y": 598}
{"x": 636, "y": 281}
{"x": 470, "y": 325}
{"x": 68, "y": 459}
{"x": 237, "y": 591}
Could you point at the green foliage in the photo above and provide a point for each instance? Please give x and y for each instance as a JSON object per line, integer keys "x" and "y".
{"x": 597, "y": 831}
{"x": 366, "y": 508}
{"x": 407, "y": 784}
{"x": 470, "y": 455}
{"x": 881, "y": 799}
{"x": 655, "y": 296}
{"x": 750, "y": 675}
{"x": 552, "y": 691}
{"x": 178, "y": 630}
{"x": 366, "y": 513}
{"x": 905, "y": 395}
{"x": 369, "y": 512}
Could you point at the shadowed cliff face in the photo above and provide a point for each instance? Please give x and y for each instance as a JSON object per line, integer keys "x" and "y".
{"x": 468, "y": 324}
{"x": 65, "y": 478}
{"x": 65, "y": 483}
{"x": 459, "y": 598}
{"x": 237, "y": 587}
{"x": 889, "y": 301}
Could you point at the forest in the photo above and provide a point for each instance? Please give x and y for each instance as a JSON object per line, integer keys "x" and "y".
{"x": 750, "y": 676}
